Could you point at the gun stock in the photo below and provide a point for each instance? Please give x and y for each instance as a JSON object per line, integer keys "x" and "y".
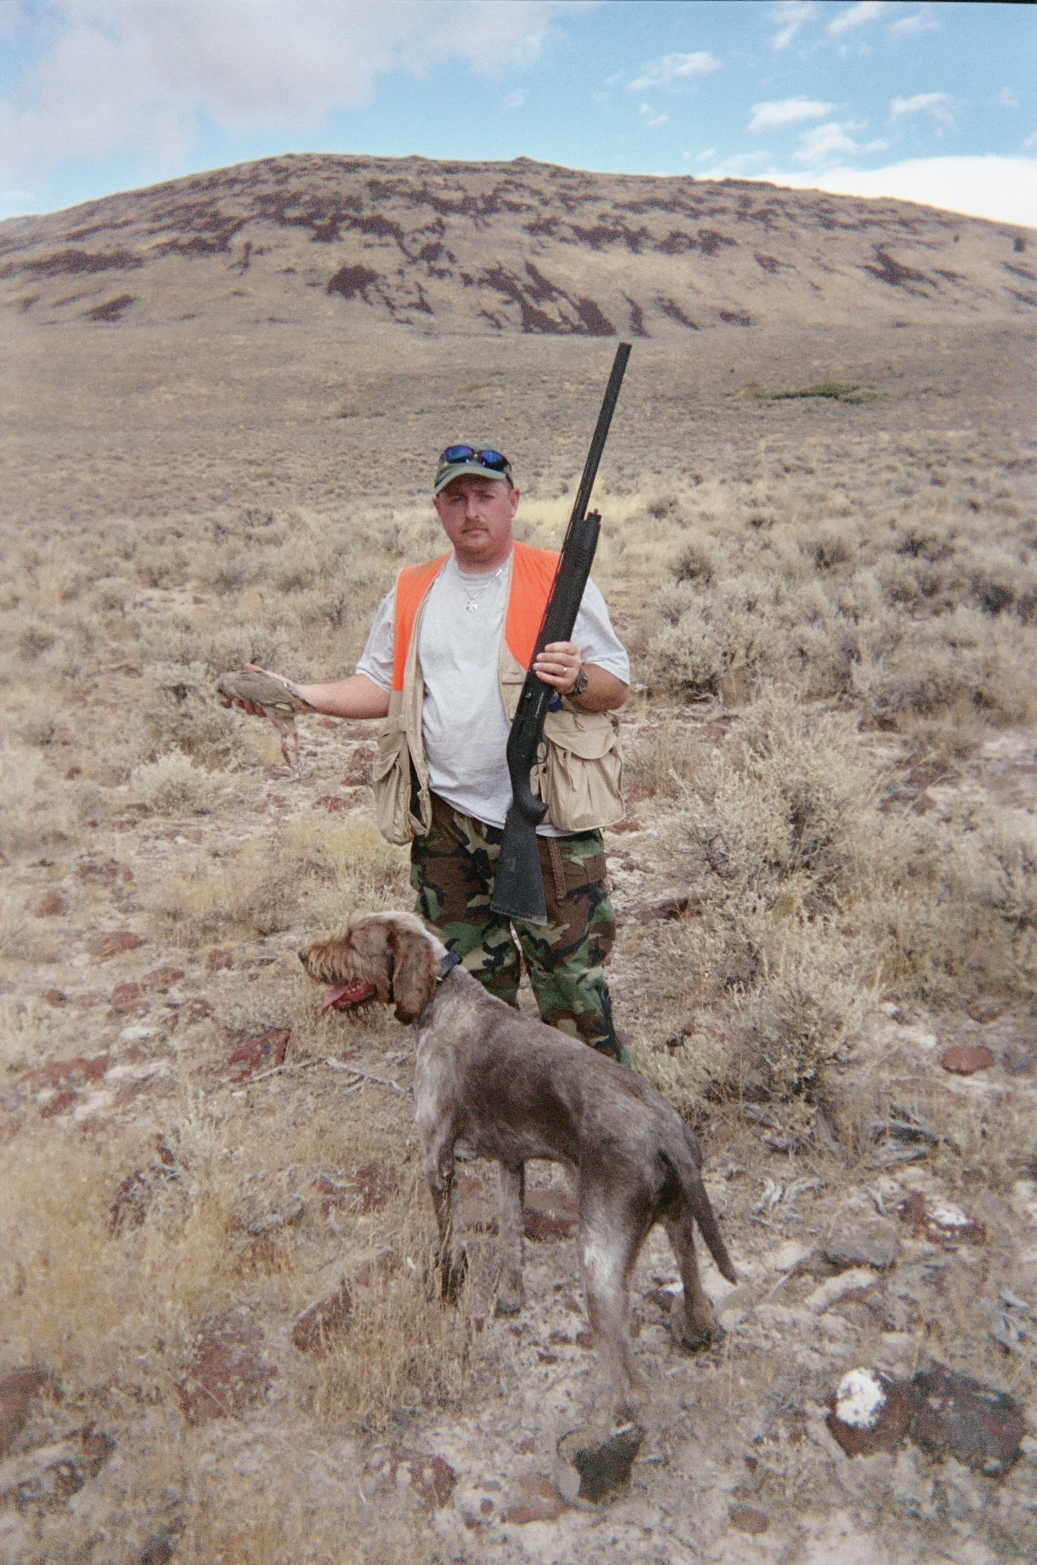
{"x": 518, "y": 884}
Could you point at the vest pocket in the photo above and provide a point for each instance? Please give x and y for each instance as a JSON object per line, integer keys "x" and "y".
{"x": 581, "y": 777}
{"x": 391, "y": 784}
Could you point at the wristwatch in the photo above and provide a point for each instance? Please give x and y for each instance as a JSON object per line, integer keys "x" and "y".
{"x": 580, "y": 686}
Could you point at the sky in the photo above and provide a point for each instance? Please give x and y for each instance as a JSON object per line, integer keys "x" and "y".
{"x": 925, "y": 101}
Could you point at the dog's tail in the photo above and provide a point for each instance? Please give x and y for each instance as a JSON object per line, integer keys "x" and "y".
{"x": 694, "y": 1192}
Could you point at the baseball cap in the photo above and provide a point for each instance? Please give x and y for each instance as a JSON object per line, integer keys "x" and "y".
{"x": 480, "y": 462}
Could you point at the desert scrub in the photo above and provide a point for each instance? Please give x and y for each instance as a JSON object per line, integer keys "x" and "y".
{"x": 813, "y": 897}
{"x": 312, "y": 871}
{"x": 35, "y": 807}
{"x": 174, "y": 785}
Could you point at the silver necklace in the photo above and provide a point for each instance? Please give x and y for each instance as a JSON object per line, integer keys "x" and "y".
{"x": 473, "y": 597}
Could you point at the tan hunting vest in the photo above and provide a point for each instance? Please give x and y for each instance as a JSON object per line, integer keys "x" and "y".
{"x": 579, "y": 771}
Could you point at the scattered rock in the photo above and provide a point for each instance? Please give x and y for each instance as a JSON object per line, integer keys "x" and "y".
{"x": 161, "y": 979}
{"x": 225, "y": 1371}
{"x": 986, "y": 1011}
{"x": 126, "y": 998}
{"x": 958, "y": 1416}
{"x": 374, "y": 1183}
{"x": 875, "y": 1244}
{"x": 196, "y": 1009}
{"x": 112, "y": 943}
{"x": 938, "y": 1221}
{"x": 258, "y": 1214}
{"x": 260, "y": 1053}
{"x": 20, "y": 1389}
{"x": 90, "y": 1000}
{"x": 51, "y": 905}
{"x": 628, "y": 823}
{"x": 54, "y": 997}
{"x": 81, "y": 1068}
{"x": 106, "y": 874}
{"x": 430, "y": 1479}
{"x": 156, "y": 1549}
{"x": 539, "y": 1500}
{"x": 317, "y": 1327}
{"x": 595, "y": 1467}
{"x": 57, "y": 1104}
{"x": 44, "y": 1479}
{"x": 550, "y": 1214}
{"x": 334, "y": 803}
{"x": 966, "y": 1059}
{"x": 218, "y": 960}
{"x": 870, "y": 1411}
{"x": 745, "y": 1519}
{"x": 670, "y": 906}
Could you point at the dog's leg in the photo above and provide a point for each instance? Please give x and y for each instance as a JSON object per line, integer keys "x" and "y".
{"x": 510, "y": 1293}
{"x": 439, "y": 1170}
{"x": 699, "y": 1326}
{"x": 610, "y": 1238}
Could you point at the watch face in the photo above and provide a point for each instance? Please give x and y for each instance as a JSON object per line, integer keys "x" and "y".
{"x": 581, "y": 683}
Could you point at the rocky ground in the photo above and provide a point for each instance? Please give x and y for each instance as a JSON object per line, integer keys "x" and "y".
{"x": 908, "y": 1256}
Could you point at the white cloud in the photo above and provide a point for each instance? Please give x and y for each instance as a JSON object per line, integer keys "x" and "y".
{"x": 674, "y": 67}
{"x": 515, "y": 100}
{"x": 857, "y": 16}
{"x": 935, "y": 103}
{"x": 650, "y": 118}
{"x": 118, "y": 74}
{"x": 769, "y": 116}
{"x": 705, "y": 157}
{"x": 1006, "y": 99}
{"x": 823, "y": 143}
{"x": 791, "y": 16}
{"x": 920, "y": 22}
{"x": 1003, "y": 190}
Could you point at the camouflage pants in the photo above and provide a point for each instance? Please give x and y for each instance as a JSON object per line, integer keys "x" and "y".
{"x": 452, "y": 870}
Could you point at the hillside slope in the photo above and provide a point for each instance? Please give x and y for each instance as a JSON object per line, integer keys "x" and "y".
{"x": 505, "y": 248}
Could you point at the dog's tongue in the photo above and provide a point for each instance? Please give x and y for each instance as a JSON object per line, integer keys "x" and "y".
{"x": 345, "y": 995}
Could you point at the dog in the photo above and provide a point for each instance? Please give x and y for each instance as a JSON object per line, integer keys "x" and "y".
{"x": 512, "y": 1088}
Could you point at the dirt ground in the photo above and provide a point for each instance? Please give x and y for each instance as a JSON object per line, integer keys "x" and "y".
{"x": 193, "y": 1158}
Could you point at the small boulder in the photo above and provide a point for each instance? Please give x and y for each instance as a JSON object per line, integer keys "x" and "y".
{"x": 51, "y": 905}
{"x": 870, "y": 1411}
{"x": 126, "y": 999}
{"x": 939, "y": 1221}
{"x": 317, "y": 1328}
{"x": 537, "y": 1500}
{"x": 966, "y": 1059}
{"x": 224, "y": 1371}
{"x": 550, "y": 1214}
{"x": 958, "y": 1416}
{"x": 260, "y": 1053}
{"x": 113, "y": 943}
{"x": 745, "y": 1518}
{"x": 875, "y": 1244}
{"x": 595, "y": 1466}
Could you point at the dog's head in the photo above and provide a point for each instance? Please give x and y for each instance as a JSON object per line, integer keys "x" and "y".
{"x": 389, "y": 957}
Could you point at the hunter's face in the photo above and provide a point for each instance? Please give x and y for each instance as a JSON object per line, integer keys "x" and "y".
{"x": 477, "y": 514}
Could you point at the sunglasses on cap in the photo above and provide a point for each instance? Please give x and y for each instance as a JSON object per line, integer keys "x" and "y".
{"x": 495, "y": 461}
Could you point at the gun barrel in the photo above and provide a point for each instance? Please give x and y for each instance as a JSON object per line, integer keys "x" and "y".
{"x": 601, "y": 430}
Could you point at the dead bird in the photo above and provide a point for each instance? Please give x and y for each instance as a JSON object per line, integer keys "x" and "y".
{"x": 264, "y": 695}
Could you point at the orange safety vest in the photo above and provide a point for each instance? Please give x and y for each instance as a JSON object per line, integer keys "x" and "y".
{"x": 532, "y": 577}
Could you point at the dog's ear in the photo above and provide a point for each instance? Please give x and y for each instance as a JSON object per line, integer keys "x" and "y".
{"x": 414, "y": 973}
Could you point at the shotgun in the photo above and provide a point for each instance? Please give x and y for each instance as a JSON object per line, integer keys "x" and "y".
{"x": 519, "y": 886}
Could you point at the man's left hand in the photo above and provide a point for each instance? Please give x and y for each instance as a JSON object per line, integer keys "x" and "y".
{"x": 559, "y": 665}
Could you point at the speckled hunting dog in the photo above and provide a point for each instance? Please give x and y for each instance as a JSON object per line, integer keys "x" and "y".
{"x": 513, "y": 1088}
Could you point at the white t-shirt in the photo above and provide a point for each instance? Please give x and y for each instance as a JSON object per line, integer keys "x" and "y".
{"x": 464, "y": 728}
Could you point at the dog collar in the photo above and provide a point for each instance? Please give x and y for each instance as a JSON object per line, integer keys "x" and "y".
{"x": 448, "y": 962}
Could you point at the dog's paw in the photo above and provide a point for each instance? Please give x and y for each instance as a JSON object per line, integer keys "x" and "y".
{"x": 696, "y": 1339}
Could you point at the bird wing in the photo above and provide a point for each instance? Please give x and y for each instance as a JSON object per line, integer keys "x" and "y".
{"x": 246, "y": 685}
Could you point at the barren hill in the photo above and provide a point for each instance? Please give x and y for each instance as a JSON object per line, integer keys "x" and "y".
{"x": 505, "y": 247}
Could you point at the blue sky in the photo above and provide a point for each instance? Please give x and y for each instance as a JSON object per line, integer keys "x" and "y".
{"x": 927, "y": 101}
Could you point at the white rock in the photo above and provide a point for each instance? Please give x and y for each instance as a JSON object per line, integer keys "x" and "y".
{"x": 142, "y": 1072}
{"x": 786, "y": 1256}
{"x": 96, "y": 1103}
{"x": 859, "y": 1399}
{"x": 824, "y": 1297}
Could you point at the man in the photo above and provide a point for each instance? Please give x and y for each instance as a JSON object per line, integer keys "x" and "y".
{"x": 444, "y": 664}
